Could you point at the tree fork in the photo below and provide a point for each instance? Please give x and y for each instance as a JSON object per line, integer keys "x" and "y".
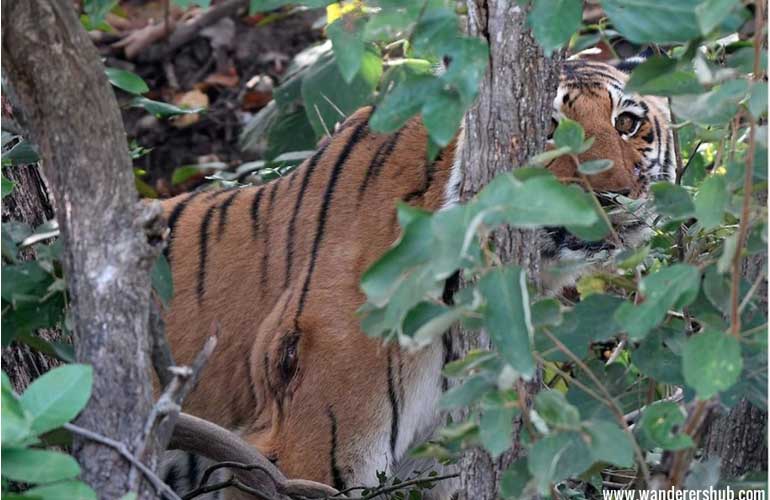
{"x": 110, "y": 242}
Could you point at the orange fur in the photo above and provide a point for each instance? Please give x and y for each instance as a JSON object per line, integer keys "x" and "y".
{"x": 293, "y": 373}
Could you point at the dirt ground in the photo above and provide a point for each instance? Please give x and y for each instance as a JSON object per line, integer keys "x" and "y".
{"x": 230, "y": 67}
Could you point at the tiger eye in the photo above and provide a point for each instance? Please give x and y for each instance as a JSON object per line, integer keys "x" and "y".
{"x": 626, "y": 123}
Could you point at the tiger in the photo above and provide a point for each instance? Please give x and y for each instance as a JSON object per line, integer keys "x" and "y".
{"x": 278, "y": 266}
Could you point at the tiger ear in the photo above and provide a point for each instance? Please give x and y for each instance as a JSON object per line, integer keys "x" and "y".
{"x": 628, "y": 65}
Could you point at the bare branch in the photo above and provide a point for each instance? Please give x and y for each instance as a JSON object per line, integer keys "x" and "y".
{"x": 186, "y": 32}
{"x": 207, "y": 439}
{"x": 162, "y": 418}
{"x": 161, "y": 487}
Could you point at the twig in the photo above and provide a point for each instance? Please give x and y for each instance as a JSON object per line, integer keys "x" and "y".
{"x": 160, "y": 422}
{"x": 754, "y": 287}
{"x": 610, "y": 401}
{"x": 631, "y": 417}
{"x": 617, "y": 351}
{"x": 221, "y": 465}
{"x": 232, "y": 482}
{"x": 389, "y": 489}
{"x": 735, "y": 326}
{"x": 161, "y": 487}
{"x": 186, "y": 32}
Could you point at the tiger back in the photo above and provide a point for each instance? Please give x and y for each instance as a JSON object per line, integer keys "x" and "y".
{"x": 279, "y": 267}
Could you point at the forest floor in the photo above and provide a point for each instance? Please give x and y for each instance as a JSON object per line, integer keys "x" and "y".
{"x": 229, "y": 67}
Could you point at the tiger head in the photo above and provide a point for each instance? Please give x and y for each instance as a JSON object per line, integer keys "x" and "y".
{"x": 630, "y": 130}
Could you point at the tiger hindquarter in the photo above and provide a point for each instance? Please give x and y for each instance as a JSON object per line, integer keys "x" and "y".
{"x": 278, "y": 267}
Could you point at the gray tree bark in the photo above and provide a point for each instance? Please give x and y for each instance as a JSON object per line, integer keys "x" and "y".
{"x": 72, "y": 115}
{"x": 507, "y": 125}
{"x": 28, "y": 202}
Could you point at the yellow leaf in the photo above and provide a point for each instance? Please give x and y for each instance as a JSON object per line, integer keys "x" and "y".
{"x": 339, "y": 9}
{"x": 588, "y": 285}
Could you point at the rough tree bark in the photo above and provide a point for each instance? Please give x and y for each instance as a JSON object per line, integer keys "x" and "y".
{"x": 29, "y": 203}
{"x": 506, "y": 126}
{"x": 72, "y": 115}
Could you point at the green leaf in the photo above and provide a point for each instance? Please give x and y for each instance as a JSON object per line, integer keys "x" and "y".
{"x": 711, "y": 13}
{"x": 558, "y": 456}
{"x": 514, "y": 479}
{"x": 546, "y": 156}
{"x": 38, "y": 466}
{"x": 553, "y": 22}
{"x": 671, "y": 287}
{"x": 630, "y": 258}
{"x": 758, "y": 99}
{"x": 162, "y": 281}
{"x": 162, "y": 109}
{"x": 7, "y": 186}
{"x": 711, "y": 202}
{"x": 126, "y": 80}
{"x": 22, "y": 153}
{"x": 381, "y": 280}
{"x": 716, "y": 107}
{"x": 658, "y": 424}
{"x": 656, "y": 360}
{"x": 660, "y": 75}
{"x": 442, "y": 114}
{"x": 496, "y": 429}
{"x": 569, "y": 134}
{"x": 659, "y": 21}
{"x": 538, "y": 201}
{"x": 15, "y": 424}
{"x": 403, "y": 102}
{"x": 556, "y": 411}
{"x": 591, "y": 320}
{"x": 57, "y": 396}
{"x": 546, "y": 312}
{"x": 672, "y": 200}
{"x": 711, "y": 362}
{"x": 594, "y": 167}
{"x": 69, "y": 490}
{"x": 184, "y": 4}
{"x": 466, "y": 394}
{"x": 97, "y": 10}
{"x": 507, "y": 318}
{"x": 609, "y": 443}
{"x": 347, "y": 39}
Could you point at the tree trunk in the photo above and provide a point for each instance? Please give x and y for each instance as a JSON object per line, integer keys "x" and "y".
{"x": 507, "y": 125}
{"x": 72, "y": 115}
{"x": 29, "y": 203}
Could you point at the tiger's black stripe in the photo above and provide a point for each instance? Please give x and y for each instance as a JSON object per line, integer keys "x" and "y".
{"x": 224, "y": 207}
{"x": 203, "y": 248}
{"x": 306, "y": 175}
{"x": 355, "y": 136}
{"x": 266, "y": 233}
{"x": 255, "y": 213}
{"x": 176, "y": 214}
{"x": 380, "y": 157}
{"x": 337, "y": 480}
{"x": 393, "y": 408}
{"x": 430, "y": 171}
{"x": 172, "y": 477}
{"x": 192, "y": 466}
